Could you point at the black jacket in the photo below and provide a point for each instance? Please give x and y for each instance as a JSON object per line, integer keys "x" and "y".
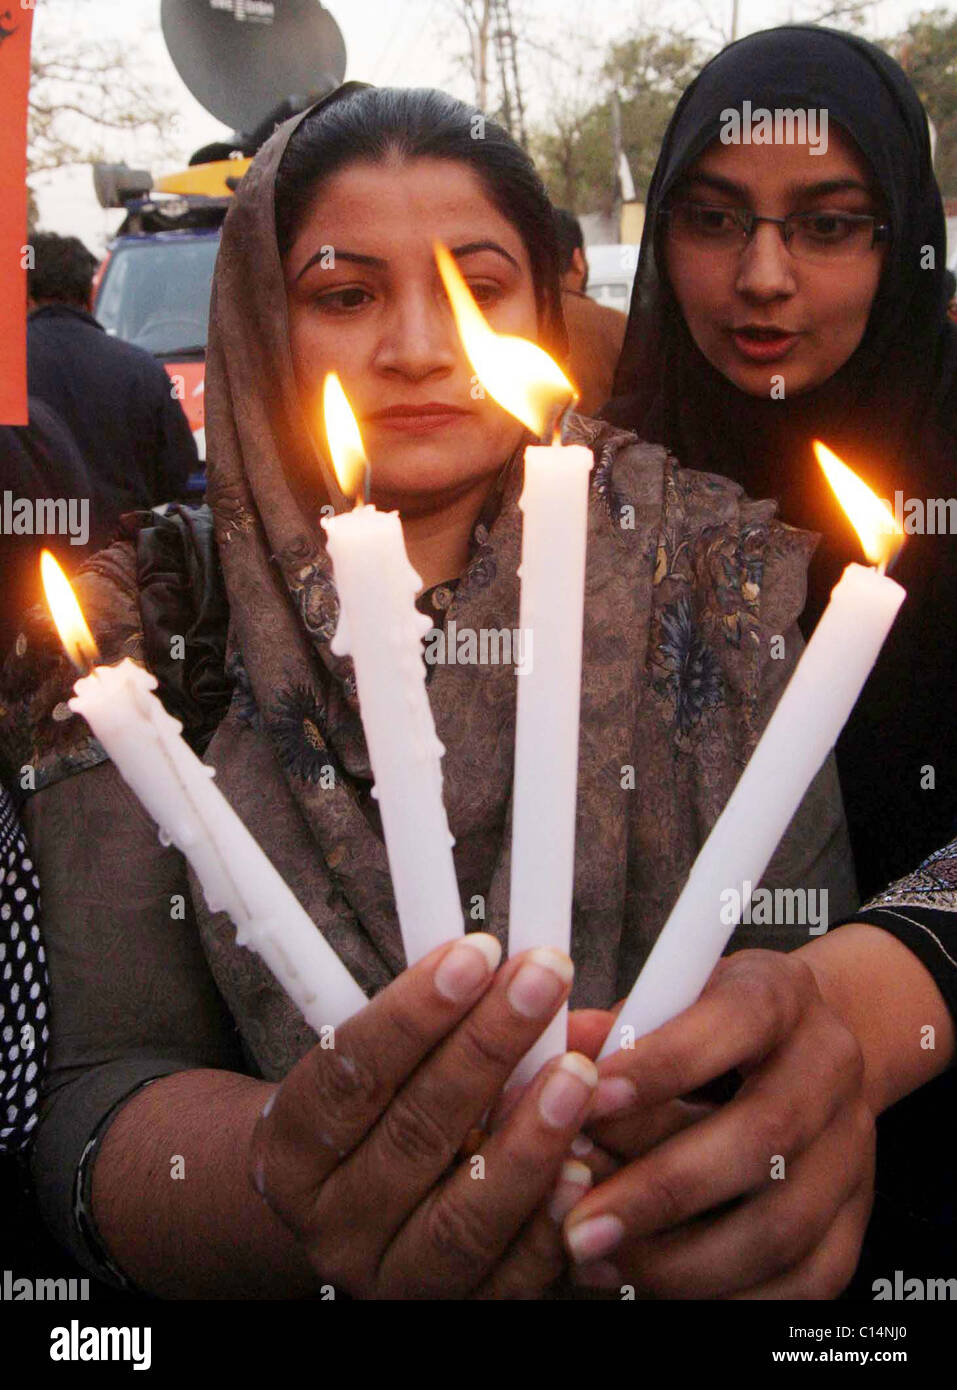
{"x": 117, "y": 401}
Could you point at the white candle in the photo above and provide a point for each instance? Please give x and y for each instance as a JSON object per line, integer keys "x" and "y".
{"x": 382, "y": 630}
{"x": 799, "y": 735}
{"x": 527, "y": 383}
{"x": 176, "y": 789}
{"x": 554, "y": 504}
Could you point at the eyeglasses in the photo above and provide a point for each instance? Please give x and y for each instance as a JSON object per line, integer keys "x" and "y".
{"x": 819, "y": 235}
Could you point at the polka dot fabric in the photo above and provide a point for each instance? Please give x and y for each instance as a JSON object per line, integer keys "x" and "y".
{"x": 24, "y": 986}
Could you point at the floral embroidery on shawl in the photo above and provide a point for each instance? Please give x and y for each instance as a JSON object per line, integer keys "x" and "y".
{"x": 315, "y": 596}
{"x": 690, "y": 674}
{"x": 314, "y": 592}
{"x": 606, "y": 445}
{"x": 297, "y": 724}
{"x": 244, "y": 700}
{"x": 481, "y": 569}
{"x": 715, "y": 574}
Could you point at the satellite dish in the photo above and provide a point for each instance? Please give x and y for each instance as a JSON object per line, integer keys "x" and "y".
{"x": 242, "y": 59}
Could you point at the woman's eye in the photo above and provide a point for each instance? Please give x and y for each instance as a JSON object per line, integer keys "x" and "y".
{"x": 344, "y": 300}
{"x": 483, "y": 291}
{"x": 710, "y": 220}
{"x": 829, "y": 226}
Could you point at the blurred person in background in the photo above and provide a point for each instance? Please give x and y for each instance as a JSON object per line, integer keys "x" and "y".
{"x": 40, "y": 462}
{"x": 595, "y": 332}
{"x": 116, "y": 399}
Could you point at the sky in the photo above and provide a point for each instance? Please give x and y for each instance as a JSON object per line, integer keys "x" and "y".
{"x": 390, "y": 42}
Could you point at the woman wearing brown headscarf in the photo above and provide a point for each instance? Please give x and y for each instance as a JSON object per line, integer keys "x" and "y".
{"x": 326, "y": 261}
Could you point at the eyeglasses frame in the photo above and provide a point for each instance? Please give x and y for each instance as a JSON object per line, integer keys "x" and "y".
{"x": 881, "y": 232}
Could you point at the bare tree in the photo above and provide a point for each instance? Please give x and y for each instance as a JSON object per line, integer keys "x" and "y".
{"x": 849, "y": 14}
{"x": 81, "y": 96}
{"x": 644, "y": 72}
{"x": 496, "y": 32}
{"x": 567, "y": 141}
{"x": 720, "y": 23}
{"x": 476, "y": 16}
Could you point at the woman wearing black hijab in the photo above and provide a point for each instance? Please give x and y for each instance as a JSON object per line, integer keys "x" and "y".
{"x": 736, "y": 358}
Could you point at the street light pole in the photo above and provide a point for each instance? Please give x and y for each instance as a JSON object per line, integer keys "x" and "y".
{"x": 616, "y": 161}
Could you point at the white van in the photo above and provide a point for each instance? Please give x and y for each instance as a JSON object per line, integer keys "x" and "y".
{"x": 611, "y": 273}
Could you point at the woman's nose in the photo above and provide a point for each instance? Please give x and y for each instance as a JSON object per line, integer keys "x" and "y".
{"x": 419, "y": 339}
{"x": 766, "y": 267}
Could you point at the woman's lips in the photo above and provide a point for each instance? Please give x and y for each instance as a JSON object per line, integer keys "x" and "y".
{"x": 765, "y": 345}
{"x": 429, "y": 419}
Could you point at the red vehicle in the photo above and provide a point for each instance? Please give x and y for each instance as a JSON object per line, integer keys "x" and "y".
{"x": 242, "y": 62}
{"x": 153, "y": 287}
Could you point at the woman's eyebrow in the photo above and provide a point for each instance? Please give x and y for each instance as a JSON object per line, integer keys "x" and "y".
{"x": 377, "y": 263}
{"x": 471, "y": 246}
{"x": 815, "y": 190}
{"x": 804, "y": 190}
{"x": 716, "y": 181}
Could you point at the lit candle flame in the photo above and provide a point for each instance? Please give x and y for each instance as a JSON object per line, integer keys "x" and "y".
{"x": 872, "y": 519}
{"x": 516, "y": 373}
{"x": 345, "y": 442}
{"x": 67, "y": 615}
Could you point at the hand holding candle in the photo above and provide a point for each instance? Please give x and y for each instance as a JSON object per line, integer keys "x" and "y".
{"x": 801, "y": 732}
{"x": 554, "y": 502}
{"x": 176, "y": 789}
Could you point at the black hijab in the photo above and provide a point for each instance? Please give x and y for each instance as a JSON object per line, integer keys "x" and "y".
{"x": 890, "y": 411}
{"x": 902, "y": 378}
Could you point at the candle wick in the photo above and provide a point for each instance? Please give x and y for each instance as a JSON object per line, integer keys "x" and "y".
{"x": 889, "y": 561}
{"x": 556, "y": 425}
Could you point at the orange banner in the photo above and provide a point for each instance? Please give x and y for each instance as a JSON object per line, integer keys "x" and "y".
{"x": 16, "y": 22}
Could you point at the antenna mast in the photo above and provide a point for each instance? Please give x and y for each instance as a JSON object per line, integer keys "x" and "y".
{"x": 506, "y": 54}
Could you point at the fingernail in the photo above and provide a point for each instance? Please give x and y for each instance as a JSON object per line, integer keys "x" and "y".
{"x": 592, "y": 1239}
{"x": 600, "y": 1275}
{"x": 614, "y": 1094}
{"x": 467, "y": 965}
{"x": 581, "y": 1145}
{"x": 567, "y": 1091}
{"x": 540, "y": 983}
{"x": 574, "y": 1181}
